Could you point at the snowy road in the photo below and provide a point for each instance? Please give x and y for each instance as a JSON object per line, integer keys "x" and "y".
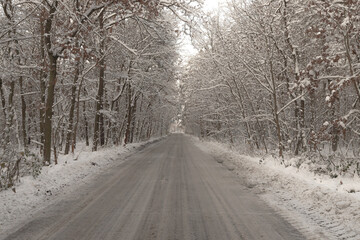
{"x": 169, "y": 190}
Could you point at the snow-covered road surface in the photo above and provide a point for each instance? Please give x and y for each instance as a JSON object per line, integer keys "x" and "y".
{"x": 170, "y": 190}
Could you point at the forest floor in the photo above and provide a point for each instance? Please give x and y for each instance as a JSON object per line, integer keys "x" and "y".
{"x": 319, "y": 206}
{"x": 56, "y": 181}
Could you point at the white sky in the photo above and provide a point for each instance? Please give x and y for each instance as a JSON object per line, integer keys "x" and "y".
{"x": 187, "y": 49}
{"x": 210, "y": 5}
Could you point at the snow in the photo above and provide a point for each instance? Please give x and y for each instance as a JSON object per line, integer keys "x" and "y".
{"x": 352, "y": 111}
{"x": 72, "y": 172}
{"x": 306, "y": 82}
{"x": 319, "y": 206}
{"x": 345, "y": 22}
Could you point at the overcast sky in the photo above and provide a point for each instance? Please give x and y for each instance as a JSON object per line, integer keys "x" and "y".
{"x": 187, "y": 49}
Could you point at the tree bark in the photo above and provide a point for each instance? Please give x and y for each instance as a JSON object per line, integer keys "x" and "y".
{"x": 42, "y": 84}
{"x": 86, "y": 126}
{"x": 74, "y": 135}
{"x": 23, "y": 112}
{"x": 133, "y": 120}
{"x": 3, "y": 101}
{"x": 51, "y": 86}
{"x": 70, "y": 129}
{"x": 276, "y": 114}
{"x": 99, "y": 119}
{"x": 49, "y": 109}
{"x": 129, "y": 117}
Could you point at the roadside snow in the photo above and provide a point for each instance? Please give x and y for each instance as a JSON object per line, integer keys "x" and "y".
{"x": 71, "y": 172}
{"x": 319, "y": 206}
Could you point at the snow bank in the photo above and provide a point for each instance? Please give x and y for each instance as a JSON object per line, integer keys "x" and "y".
{"x": 54, "y": 181}
{"x": 319, "y": 206}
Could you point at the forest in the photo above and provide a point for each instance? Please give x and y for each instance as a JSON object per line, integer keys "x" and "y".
{"x": 273, "y": 77}
{"x": 99, "y": 72}
{"x": 279, "y": 77}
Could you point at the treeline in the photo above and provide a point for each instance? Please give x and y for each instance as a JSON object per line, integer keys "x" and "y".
{"x": 101, "y": 72}
{"x": 278, "y": 75}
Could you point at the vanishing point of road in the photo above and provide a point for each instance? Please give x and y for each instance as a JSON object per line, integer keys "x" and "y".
{"x": 168, "y": 190}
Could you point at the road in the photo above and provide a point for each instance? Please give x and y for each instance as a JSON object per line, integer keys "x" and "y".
{"x": 169, "y": 190}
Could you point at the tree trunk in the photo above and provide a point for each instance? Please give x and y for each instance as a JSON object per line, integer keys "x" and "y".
{"x": 74, "y": 135}
{"x": 10, "y": 111}
{"x": 276, "y": 114}
{"x": 49, "y": 109}
{"x": 86, "y": 126}
{"x": 99, "y": 119}
{"x": 133, "y": 121}
{"x": 301, "y": 123}
{"x": 119, "y": 137}
{"x": 299, "y": 112}
{"x": 129, "y": 117}
{"x": 23, "y": 112}
{"x": 351, "y": 69}
{"x": 51, "y": 85}
{"x": 42, "y": 85}
{"x": 70, "y": 129}
{"x": 102, "y": 128}
{"x": 3, "y": 101}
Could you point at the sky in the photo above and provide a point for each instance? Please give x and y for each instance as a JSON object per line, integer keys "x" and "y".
{"x": 210, "y": 5}
{"x": 187, "y": 49}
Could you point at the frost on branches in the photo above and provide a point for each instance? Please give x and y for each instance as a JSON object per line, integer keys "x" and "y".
{"x": 279, "y": 76}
